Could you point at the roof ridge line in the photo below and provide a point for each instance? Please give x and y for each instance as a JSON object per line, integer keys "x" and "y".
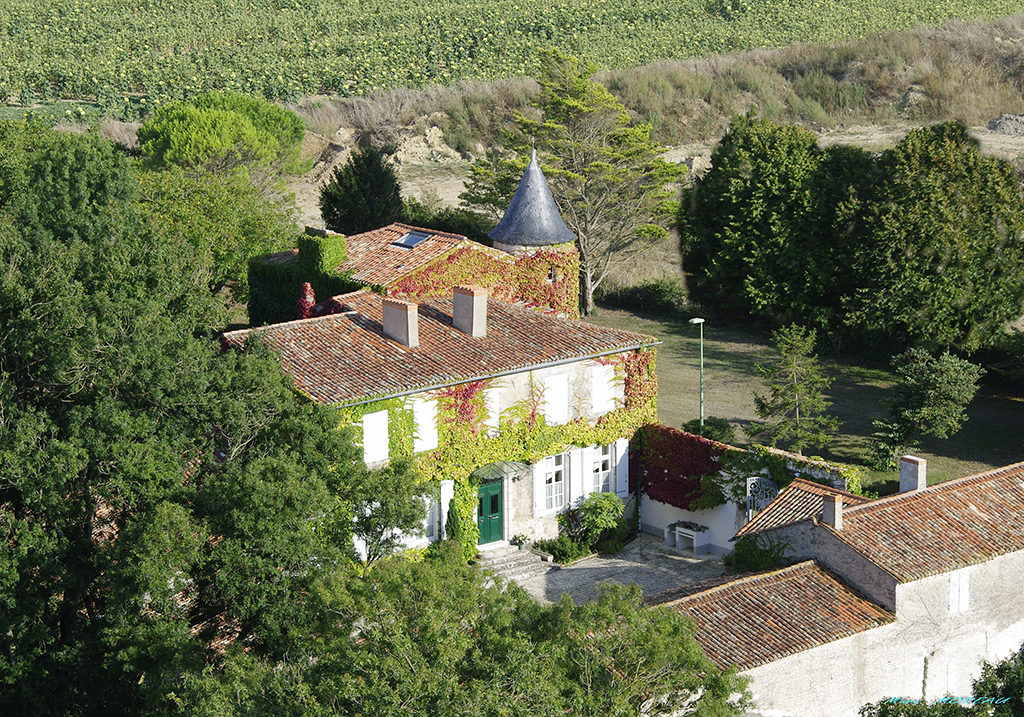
{"x": 991, "y": 474}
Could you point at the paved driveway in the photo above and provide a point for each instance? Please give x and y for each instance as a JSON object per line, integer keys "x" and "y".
{"x": 646, "y": 561}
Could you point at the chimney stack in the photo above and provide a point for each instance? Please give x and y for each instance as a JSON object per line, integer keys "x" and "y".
{"x": 833, "y": 511}
{"x": 469, "y": 310}
{"x": 913, "y": 474}
{"x": 401, "y": 322}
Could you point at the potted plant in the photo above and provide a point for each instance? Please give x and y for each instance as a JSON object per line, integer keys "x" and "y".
{"x": 521, "y": 540}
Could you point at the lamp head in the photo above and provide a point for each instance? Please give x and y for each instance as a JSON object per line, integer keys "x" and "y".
{"x": 697, "y": 321}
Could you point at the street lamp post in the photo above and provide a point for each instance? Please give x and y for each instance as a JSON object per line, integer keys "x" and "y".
{"x": 700, "y": 322}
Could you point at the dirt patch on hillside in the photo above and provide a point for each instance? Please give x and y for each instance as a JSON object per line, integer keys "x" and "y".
{"x": 432, "y": 172}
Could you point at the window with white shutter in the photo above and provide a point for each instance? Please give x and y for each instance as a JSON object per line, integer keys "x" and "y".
{"x": 375, "y": 437}
{"x": 602, "y": 389}
{"x": 959, "y": 591}
{"x": 424, "y": 414}
{"x": 556, "y": 399}
{"x": 601, "y": 470}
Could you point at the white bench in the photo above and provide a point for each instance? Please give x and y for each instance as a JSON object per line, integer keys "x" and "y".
{"x": 683, "y": 537}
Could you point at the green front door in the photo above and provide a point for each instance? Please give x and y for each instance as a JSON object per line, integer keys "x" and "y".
{"x": 489, "y": 512}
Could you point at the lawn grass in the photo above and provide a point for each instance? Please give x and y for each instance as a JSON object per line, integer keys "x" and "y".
{"x": 993, "y": 435}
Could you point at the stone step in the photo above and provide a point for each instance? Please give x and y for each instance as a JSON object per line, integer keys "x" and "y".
{"x": 514, "y": 564}
{"x": 509, "y": 559}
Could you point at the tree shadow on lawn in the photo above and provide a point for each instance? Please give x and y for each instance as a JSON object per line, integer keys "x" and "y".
{"x": 993, "y": 435}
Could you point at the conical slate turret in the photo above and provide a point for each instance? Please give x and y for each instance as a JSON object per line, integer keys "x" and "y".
{"x": 532, "y": 217}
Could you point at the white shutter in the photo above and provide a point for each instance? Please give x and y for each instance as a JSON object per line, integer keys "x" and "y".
{"x": 556, "y": 399}
{"x": 577, "y": 475}
{"x": 375, "y": 437}
{"x": 538, "y": 487}
{"x": 622, "y": 468}
{"x": 602, "y": 389}
{"x": 959, "y": 591}
{"x": 424, "y": 414}
{"x": 492, "y": 406}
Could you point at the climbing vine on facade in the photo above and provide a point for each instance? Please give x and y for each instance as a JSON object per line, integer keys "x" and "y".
{"x": 523, "y": 435}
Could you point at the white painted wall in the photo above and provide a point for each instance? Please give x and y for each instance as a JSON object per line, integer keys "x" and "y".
{"x": 927, "y": 653}
{"x": 723, "y": 521}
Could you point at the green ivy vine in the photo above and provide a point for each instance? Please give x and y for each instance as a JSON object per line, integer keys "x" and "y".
{"x": 523, "y": 434}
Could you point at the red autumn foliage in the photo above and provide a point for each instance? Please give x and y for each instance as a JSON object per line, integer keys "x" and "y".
{"x": 304, "y": 306}
{"x": 673, "y": 462}
{"x": 459, "y": 403}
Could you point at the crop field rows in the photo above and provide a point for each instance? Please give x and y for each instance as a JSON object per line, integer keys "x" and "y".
{"x": 127, "y": 56}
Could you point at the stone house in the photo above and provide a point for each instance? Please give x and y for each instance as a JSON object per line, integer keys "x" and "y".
{"x": 512, "y": 412}
{"x": 898, "y": 597}
{"x": 533, "y": 261}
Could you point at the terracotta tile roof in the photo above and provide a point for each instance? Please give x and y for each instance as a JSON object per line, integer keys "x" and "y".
{"x": 346, "y": 357}
{"x": 754, "y": 620}
{"x": 800, "y": 500}
{"x": 281, "y": 257}
{"x": 944, "y": 527}
{"x": 374, "y": 261}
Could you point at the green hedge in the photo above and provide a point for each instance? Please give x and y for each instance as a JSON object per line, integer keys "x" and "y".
{"x": 274, "y": 288}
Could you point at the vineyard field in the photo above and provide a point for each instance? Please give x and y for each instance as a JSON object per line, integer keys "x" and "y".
{"x": 128, "y": 55}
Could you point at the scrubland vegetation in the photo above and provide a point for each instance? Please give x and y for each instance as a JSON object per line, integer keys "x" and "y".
{"x": 970, "y": 71}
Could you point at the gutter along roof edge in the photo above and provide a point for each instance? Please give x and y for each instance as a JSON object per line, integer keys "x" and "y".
{"x": 499, "y": 374}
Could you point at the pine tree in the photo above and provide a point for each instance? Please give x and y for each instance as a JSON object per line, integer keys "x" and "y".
{"x": 794, "y": 411}
{"x": 363, "y": 194}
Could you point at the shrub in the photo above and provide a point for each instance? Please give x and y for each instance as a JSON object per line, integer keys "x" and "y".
{"x": 757, "y": 552}
{"x": 717, "y": 429}
{"x": 661, "y": 296}
{"x": 596, "y": 515}
{"x": 564, "y": 549}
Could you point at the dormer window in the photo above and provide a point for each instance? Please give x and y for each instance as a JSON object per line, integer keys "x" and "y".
{"x": 410, "y": 239}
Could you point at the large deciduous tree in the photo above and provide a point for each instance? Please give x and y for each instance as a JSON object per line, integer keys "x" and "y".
{"x": 945, "y": 267}
{"x": 158, "y": 500}
{"x": 429, "y": 638}
{"x": 924, "y": 245}
{"x": 605, "y": 174}
{"x": 362, "y": 194}
{"x": 793, "y": 412}
{"x": 221, "y": 216}
{"x": 773, "y": 227}
{"x": 931, "y": 399}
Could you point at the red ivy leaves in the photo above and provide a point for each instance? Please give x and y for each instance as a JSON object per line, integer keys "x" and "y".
{"x": 459, "y": 404}
{"x": 304, "y": 306}
{"x": 674, "y": 462}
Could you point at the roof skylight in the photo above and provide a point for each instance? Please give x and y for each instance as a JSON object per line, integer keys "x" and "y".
{"x": 410, "y": 240}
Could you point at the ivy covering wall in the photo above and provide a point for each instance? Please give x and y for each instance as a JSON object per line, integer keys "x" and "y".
{"x": 694, "y": 473}
{"x": 274, "y": 288}
{"x": 519, "y": 278}
{"x": 526, "y": 278}
{"x": 464, "y": 444}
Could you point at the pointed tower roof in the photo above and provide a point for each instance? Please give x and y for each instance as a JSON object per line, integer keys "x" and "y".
{"x": 532, "y": 217}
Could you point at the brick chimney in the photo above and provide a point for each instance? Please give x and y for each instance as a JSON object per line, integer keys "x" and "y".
{"x": 833, "y": 511}
{"x": 913, "y": 474}
{"x": 401, "y": 322}
{"x": 469, "y": 310}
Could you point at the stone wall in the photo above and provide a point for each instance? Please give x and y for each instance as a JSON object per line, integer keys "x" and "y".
{"x": 927, "y": 653}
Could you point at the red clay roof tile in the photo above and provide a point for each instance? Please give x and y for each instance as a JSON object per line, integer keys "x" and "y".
{"x": 373, "y": 261}
{"x": 754, "y": 620}
{"x": 944, "y": 527}
{"x": 345, "y": 358}
{"x": 800, "y": 500}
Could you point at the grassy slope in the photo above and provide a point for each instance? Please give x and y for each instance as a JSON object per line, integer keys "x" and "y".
{"x": 991, "y": 437}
